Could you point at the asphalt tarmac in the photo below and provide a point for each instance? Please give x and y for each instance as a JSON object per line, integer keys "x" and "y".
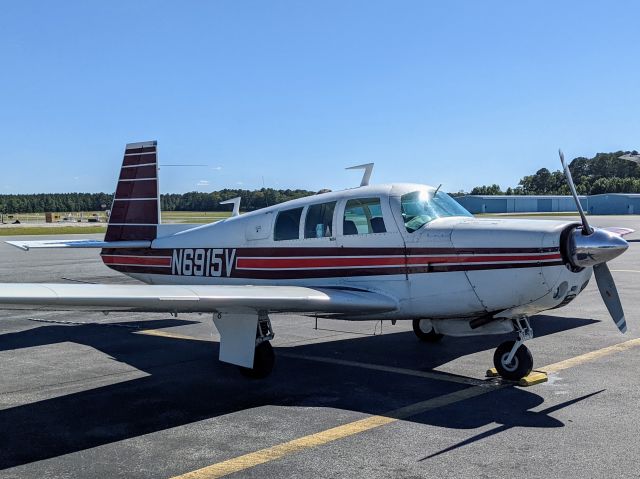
{"x": 143, "y": 395}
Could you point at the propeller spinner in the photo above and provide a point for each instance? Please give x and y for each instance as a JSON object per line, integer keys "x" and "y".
{"x": 594, "y": 247}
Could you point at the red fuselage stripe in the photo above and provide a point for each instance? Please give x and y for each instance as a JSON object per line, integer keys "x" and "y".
{"x": 260, "y": 263}
{"x": 136, "y": 260}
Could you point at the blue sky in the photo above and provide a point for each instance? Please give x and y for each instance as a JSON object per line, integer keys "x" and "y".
{"x": 291, "y": 93}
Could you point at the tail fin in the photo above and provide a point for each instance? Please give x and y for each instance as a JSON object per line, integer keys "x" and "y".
{"x": 135, "y": 212}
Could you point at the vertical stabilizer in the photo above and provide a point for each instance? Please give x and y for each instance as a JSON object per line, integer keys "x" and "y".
{"x": 135, "y": 212}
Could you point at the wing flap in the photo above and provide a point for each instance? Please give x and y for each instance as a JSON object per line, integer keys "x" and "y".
{"x": 190, "y": 299}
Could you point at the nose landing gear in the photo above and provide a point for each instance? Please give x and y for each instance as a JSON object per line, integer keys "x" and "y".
{"x": 512, "y": 359}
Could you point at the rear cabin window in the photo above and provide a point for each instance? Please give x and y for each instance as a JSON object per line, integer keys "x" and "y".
{"x": 363, "y": 216}
{"x": 287, "y": 225}
{"x": 319, "y": 221}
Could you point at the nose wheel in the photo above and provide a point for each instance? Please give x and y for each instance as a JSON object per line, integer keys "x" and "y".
{"x": 516, "y": 367}
{"x": 512, "y": 359}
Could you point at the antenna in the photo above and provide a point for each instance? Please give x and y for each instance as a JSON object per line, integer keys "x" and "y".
{"x": 163, "y": 165}
{"x": 236, "y": 205}
{"x": 437, "y": 189}
{"x": 368, "y": 168}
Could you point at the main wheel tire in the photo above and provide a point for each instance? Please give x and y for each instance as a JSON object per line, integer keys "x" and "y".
{"x": 520, "y": 366}
{"x": 428, "y": 335}
{"x": 263, "y": 361}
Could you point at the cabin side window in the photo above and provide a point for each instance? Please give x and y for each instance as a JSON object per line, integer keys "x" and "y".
{"x": 363, "y": 216}
{"x": 287, "y": 225}
{"x": 319, "y": 220}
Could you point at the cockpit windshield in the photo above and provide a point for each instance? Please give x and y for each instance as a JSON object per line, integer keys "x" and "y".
{"x": 421, "y": 207}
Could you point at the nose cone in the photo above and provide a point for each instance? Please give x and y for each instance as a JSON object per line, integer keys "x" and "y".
{"x": 599, "y": 247}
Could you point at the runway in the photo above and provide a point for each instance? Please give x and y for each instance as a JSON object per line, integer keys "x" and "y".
{"x": 143, "y": 395}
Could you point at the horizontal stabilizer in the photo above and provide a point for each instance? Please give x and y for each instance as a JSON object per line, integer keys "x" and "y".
{"x": 190, "y": 299}
{"x": 79, "y": 243}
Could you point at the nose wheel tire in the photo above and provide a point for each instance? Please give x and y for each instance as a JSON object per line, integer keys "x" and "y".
{"x": 519, "y": 367}
{"x": 425, "y": 332}
{"x": 263, "y": 361}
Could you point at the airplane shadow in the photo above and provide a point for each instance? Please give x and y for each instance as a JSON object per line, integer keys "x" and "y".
{"x": 186, "y": 384}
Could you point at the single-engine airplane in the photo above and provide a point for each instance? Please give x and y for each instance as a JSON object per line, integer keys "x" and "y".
{"x": 376, "y": 252}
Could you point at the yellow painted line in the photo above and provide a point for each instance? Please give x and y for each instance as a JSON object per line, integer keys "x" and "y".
{"x": 583, "y": 358}
{"x": 278, "y": 451}
{"x": 168, "y": 334}
{"x": 389, "y": 369}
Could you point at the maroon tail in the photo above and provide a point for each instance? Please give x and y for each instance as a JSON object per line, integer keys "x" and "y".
{"x": 136, "y": 205}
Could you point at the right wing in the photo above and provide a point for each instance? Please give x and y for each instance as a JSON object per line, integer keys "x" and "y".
{"x": 190, "y": 299}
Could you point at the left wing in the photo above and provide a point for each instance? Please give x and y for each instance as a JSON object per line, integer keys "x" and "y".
{"x": 78, "y": 243}
{"x": 190, "y": 299}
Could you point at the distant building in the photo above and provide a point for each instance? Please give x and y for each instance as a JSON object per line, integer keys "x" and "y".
{"x": 614, "y": 204}
{"x": 605, "y": 204}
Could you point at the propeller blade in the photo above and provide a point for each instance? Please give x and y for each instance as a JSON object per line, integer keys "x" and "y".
{"x": 586, "y": 228}
{"x": 609, "y": 295}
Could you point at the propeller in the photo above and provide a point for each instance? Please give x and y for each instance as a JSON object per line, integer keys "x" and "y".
{"x": 594, "y": 247}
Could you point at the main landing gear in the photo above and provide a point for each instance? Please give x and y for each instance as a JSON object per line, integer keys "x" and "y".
{"x": 512, "y": 359}
{"x": 425, "y": 331}
{"x": 264, "y": 357}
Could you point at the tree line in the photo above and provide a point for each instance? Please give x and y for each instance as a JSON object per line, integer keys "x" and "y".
{"x": 192, "y": 201}
{"x": 604, "y": 173}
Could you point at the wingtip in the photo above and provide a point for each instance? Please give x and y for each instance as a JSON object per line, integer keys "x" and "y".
{"x": 18, "y": 245}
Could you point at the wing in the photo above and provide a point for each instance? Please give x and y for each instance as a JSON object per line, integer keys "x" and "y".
{"x": 619, "y": 230}
{"x": 189, "y": 299}
{"x": 79, "y": 243}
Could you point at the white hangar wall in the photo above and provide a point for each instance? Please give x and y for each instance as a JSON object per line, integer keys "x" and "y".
{"x": 606, "y": 204}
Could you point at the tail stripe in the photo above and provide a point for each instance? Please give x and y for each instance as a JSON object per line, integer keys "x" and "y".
{"x": 137, "y": 153}
{"x": 138, "y": 166}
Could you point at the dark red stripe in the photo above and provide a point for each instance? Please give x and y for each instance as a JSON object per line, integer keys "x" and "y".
{"x": 260, "y": 263}
{"x": 340, "y": 273}
{"x": 137, "y": 189}
{"x": 138, "y": 160}
{"x": 142, "y": 149}
{"x": 149, "y": 171}
{"x": 416, "y": 251}
{"x": 130, "y": 232}
{"x": 134, "y": 212}
{"x": 357, "y": 252}
{"x": 135, "y": 260}
{"x": 317, "y": 262}
{"x": 478, "y": 267}
{"x": 411, "y": 260}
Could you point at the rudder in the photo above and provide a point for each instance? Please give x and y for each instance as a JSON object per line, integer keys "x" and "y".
{"x": 135, "y": 212}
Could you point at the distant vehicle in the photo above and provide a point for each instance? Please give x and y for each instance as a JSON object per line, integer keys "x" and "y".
{"x": 394, "y": 252}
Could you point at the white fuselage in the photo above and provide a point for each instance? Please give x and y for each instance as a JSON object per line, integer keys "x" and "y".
{"x": 452, "y": 267}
